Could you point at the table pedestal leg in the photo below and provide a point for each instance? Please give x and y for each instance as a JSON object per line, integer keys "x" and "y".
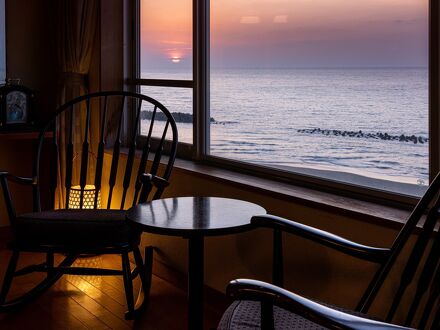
{"x": 195, "y": 283}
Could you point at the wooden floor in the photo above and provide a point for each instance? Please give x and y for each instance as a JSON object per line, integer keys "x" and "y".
{"x": 92, "y": 302}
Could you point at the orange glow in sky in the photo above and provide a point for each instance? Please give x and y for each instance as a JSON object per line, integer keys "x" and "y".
{"x": 260, "y": 30}
{"x": 166, "y": 29}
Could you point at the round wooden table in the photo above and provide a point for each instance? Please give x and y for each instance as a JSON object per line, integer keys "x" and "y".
{"x": 194, "y": 218}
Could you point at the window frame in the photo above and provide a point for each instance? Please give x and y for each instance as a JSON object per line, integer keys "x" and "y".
{"x": 199, "y": 150}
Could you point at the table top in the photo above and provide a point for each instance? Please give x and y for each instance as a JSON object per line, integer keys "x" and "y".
{"x": 187, "y": 216}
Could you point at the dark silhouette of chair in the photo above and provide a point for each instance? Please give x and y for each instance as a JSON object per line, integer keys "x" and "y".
{"x": 97, "y": 161}
{"x": 261, "y": 305}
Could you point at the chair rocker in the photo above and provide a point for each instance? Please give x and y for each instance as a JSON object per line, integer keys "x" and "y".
{"x": 74, "y": 232}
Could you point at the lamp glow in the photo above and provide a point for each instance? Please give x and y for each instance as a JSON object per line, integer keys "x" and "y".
{"x": 88, "y": 198}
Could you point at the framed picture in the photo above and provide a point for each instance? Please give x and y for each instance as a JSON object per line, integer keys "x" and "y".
{"x": 16, "y": 105}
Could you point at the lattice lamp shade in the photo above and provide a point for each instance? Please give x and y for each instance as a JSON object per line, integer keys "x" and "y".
{"x": 88, "y": 199}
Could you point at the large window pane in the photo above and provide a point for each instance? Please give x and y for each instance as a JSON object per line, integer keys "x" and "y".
{"x": 332, "y": 88}
{"x": 166, "y": 39}
{"x": 179, "y": 102}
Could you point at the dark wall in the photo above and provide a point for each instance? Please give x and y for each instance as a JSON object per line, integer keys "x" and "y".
{"x": 31, "y": 54}
{"x": 30, "y": 50}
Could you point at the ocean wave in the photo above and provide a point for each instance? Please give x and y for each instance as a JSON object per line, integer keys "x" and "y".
{"x": 179, "y": 117}
{"x": 329, "y": 158}
{"x": 226, "y": 122}
{"x": 242, "y": 143}
{"x": 385, "y": 162}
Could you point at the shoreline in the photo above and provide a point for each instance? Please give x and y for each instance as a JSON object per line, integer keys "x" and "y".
{"x": 397, "y": 184}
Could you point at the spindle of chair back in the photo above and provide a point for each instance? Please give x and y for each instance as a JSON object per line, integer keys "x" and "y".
{"x": 86, "y": 147}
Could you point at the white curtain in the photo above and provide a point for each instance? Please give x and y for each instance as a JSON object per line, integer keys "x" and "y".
{"x": 77, "y": 21}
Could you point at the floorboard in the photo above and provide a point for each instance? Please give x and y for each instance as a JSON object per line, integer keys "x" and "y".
{"x": 97, "y": 302}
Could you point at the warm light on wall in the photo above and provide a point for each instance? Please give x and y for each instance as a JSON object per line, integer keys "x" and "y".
{"x": 88, "y": 199}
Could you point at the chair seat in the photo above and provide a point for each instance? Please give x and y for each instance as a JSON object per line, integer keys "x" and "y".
{"x": 245, "y": 315}
{"x": 87, "y": 228}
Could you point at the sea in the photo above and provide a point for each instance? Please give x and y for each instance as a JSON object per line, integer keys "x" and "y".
{"x": 371, "y": 122}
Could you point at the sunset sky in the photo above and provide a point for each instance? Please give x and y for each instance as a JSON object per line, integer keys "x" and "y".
{"x": 289, "y": 33}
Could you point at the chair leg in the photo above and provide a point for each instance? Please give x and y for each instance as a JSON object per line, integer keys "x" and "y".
{"x": 49, "y": 262}
{"x": 128, "y": 285}
{"x": 149, "y": 262}
{"x": 145, "y": 273}
{"x": 147, "y": 268}
{"x": 436, "y": 322}
{"x": 7, "y": 281}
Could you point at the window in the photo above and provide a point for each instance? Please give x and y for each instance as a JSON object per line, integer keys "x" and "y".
{"x": 179, "y": 102}
{"x": 330, "y": 92}
{"x": 166, "y": 59}
{"x": 2, "y": 41}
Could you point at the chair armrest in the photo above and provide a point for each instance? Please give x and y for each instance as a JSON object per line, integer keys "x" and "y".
{"x": 157, "y": 181}
{"x": 4, "y": 178}
{"x": 244, "y": 289}
{"x": 325, "y": 238}
{"x": 18, "y": 179}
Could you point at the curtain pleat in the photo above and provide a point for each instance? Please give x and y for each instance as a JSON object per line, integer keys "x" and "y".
{"x": 77, "y": 21}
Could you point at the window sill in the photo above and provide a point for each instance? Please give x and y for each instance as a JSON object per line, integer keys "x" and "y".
{"x": 388, "y": 216}
{"x": 363, "y": 210}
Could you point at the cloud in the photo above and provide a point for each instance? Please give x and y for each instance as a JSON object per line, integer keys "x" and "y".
{"x": 281, "y": 19}
{"x": 250, "y": 20}
{"x": 173, "y": 42}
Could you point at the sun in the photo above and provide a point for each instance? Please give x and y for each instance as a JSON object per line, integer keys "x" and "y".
{"x": 175, "y": 59}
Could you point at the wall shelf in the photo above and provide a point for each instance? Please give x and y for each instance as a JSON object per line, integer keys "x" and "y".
{"x": 22, "y": 135}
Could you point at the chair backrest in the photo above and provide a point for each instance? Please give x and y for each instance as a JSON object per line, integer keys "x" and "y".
{"x": 89, "y": 134}
{"x": 422, "y": 267}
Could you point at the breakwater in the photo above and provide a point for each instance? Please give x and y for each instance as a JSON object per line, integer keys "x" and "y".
{"x": 360, "y": 134}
